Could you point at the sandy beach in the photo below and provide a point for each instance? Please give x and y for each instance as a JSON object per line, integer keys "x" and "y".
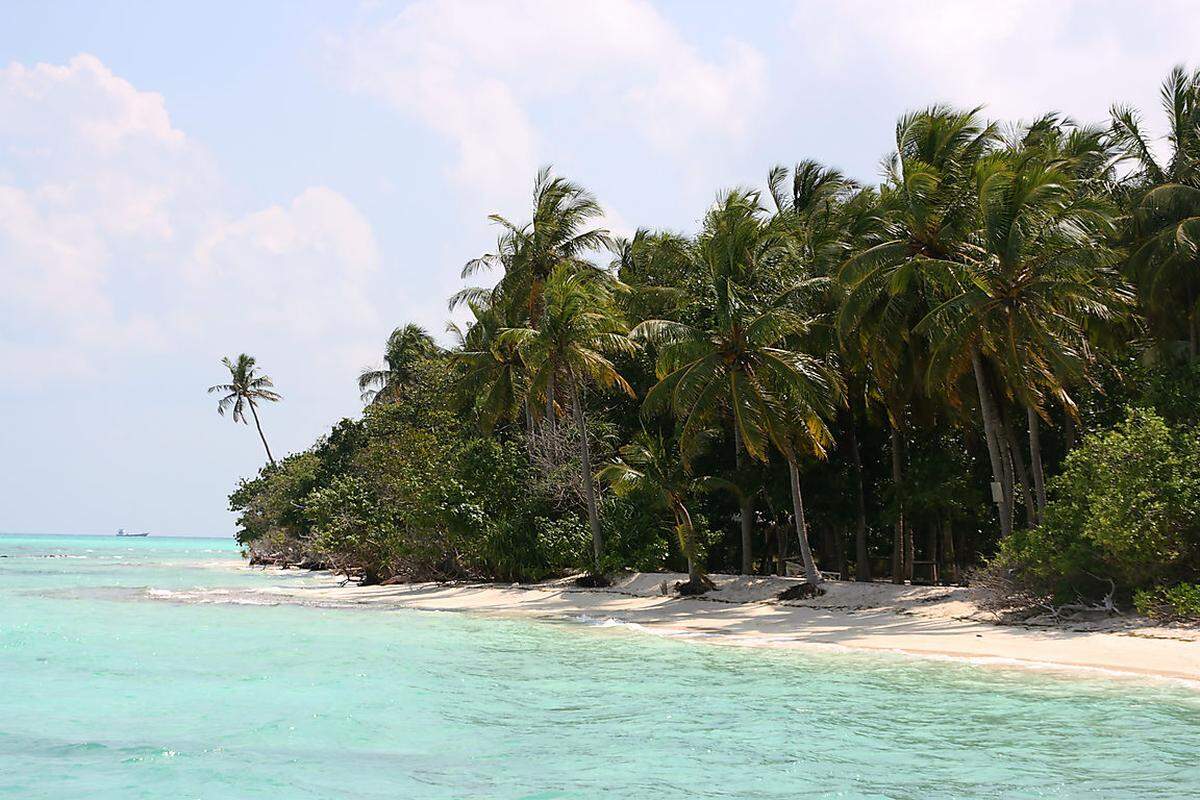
{"x": 925, "y": 621}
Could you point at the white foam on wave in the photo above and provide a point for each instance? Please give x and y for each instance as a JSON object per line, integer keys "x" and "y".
{"x": 212, "y": 597}
{"x": 616, "y": 622}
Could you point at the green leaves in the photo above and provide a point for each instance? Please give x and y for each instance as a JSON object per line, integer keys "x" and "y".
{"x": 578, "y": 331}
{"x": 406, "y": 346}
{"x": 245, "y": 387}
{"x": 557, "y": 235}
{"x": 1125, "y": 508}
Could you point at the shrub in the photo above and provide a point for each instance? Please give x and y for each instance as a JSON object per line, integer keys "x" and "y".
{"x": 1180, "y": 602}
{"x": 636, "y": 534}
{"x": 1125, "y": 512}
{"x": 270, "y": 506}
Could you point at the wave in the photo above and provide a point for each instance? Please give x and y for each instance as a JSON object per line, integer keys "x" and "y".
{"x": 617, "y": 622}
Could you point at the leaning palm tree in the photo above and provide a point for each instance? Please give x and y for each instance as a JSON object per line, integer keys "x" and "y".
{"x": 579, "y": 329}
{"x": 806, "y": 394}
{"x": 777, "y": 396}
{"x": 406, "y": 347}
{"x": 827, "y": 216}
{"x": 245, "y": 388}
{"x": 744, "y": 363}
{"x": 651, "y": 466}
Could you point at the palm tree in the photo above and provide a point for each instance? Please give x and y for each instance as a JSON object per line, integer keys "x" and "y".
{"x": 827, "y": 216}
{"x": 1165, "y": 201}
{"x": 492, "y": 381}
{"x": 406, "y": 347}
{"x": 558, "y": 233}
{"x": 579, "y": 329}
{"x": 1015, "y": 310}
{"x": 808, "y": 392}
{"x": 658, "y": 264}
{"x": 245, "y": 387}
{"x": 527, "y": 254}
{"x": 651, "y": 466}
{"x": 704, "y": 363}
{"x": 738, "y": 361}
{"x": 924, "y": 231}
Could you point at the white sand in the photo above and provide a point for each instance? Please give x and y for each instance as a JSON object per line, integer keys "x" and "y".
{"x": 919, "y": 621}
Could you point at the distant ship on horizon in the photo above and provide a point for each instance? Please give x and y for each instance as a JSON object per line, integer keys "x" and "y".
{"x": 121, "y": 532}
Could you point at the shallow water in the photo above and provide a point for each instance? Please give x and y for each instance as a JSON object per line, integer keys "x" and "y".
{"x": 106, "y": 691}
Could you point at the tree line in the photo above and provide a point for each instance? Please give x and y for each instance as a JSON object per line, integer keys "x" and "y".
{"x": 905, "y": 380}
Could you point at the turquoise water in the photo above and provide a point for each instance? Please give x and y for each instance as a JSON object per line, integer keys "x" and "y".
{"x": 108, "y": 691}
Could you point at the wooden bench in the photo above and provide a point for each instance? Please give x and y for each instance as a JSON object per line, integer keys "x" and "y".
{"x": 794, "y": 568}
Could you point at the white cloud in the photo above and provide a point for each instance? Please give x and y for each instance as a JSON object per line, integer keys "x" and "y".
{"x": 107, "y": 113}
{"x": 1021, "y": 57}
{"x": 115, "y": 238}
{"x": 482, "y": 73}
{"x": 305, "y": 266}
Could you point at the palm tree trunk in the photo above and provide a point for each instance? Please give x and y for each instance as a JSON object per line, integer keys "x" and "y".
{"x": 745, "y": 505}
{"x": 898, "y": 569}
{"x": 687, "y": 541}
{"x": 991, "y": 428}
{"x": 550, "y": 424}
{"x": 781, "y": 545}
{"x": 1009, "y": 489}
{"x": 862, "y": 564}
{"x": 1018, "y": 459}
{"x": 258, "y": 425}
{"x": 910, "y": 550}
{"x": 1035, "y": 462}
{"x": 585, "y": 475}
{"x": 839, "y": 552}
{"x": 810, "y": 567}
{"x": 935, "y": 535}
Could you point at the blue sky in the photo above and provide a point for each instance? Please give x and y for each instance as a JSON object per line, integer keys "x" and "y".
{"x": 179, "y": 183}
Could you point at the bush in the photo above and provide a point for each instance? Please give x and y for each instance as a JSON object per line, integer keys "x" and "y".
{"x": 636, "y": 535}
{"x": 1125, "y": 512}
{"x": 270, "y": 507}
{"x": 1175, "y": 603}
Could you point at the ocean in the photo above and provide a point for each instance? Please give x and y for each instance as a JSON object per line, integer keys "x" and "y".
{"x": 111, "y": 686}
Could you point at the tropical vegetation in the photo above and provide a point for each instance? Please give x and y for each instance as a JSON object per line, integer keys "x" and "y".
{"x": 986, "y": 362}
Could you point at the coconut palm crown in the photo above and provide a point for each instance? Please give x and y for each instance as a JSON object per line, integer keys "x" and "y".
{"x": 406, "y": 346}
{"x": 245, "y": 389}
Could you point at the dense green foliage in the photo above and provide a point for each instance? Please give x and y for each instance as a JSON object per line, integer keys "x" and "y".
{"x": 1179, "y": 602}
{"x": 878, "y": 381}
{"x": 1125, "y": 510}
{"x": 411, "y": 491}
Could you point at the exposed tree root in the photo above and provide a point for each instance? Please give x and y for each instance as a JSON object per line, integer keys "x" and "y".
{"x": 694, "y": 587}
{"x": 801, "y": 591}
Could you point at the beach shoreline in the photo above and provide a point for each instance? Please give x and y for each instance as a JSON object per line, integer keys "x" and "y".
{"x": 936, "y": 622}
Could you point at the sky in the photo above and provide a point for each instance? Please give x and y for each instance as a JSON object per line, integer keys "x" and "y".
{"x": 182, "y": 182}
